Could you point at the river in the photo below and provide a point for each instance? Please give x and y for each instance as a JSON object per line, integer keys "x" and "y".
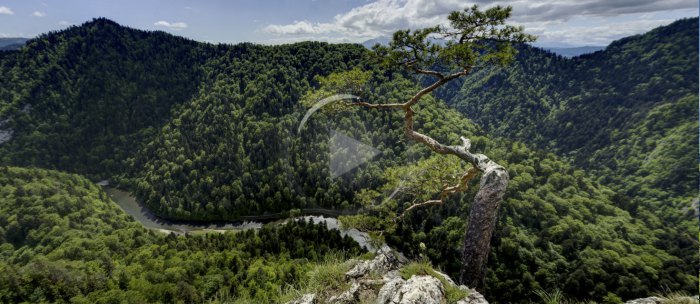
{"x": 149, "y": 220}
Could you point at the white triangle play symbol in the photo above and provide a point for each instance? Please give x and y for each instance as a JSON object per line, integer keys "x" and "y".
{"x": 348, "y": 153}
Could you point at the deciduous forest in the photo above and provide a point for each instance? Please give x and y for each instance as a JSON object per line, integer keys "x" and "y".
{"x": 601, "y": 150}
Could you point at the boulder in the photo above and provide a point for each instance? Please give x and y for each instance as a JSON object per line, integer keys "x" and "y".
{"x": 417, "y": 290}
{"x": 385, "y": 261}
{"x": 649, "y": 300}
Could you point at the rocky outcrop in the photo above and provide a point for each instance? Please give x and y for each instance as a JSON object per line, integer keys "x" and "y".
{"x": 649, "y": 300}
{"x": 657, "y": 300}
{"x": 418, "y": 289}
{"x": 379, "y": 281}
{"x": 474, "y": 297}
{"x": 386, "y": 260}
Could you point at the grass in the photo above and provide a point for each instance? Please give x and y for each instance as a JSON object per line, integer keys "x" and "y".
{"x": 677, "y": 298}
{"x": 325, "y": 279}
{"x": 452, "y": 292}
{"x": 557, "y": 297}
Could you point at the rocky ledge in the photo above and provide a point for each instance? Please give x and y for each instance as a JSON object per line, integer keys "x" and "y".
{"x": 657, "y": 300}
{"x": 379, "y": 281}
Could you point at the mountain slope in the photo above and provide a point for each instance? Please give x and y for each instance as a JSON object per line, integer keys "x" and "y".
{"x": 628, "y": 115}
{"x": 574, "y": 51}
{"x": 618, "y": 113}
{"x": 83, "y": 98}
{"x": 9, "y": 44}
{"x": 63, "y": 240}
{"x": 582, "y": 106}
{"x": 206, "y": 132}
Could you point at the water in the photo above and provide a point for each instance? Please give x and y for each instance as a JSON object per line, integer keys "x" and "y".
{"x": 149, "y": 220}
{"x": 143, "y": 215}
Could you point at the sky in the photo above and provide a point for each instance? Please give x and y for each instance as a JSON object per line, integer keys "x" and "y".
{"x": 557, "y": 23}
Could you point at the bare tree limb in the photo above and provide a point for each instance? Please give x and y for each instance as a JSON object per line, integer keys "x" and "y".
{"x": 428, "y": 72}
{"x": 377, "y": 105}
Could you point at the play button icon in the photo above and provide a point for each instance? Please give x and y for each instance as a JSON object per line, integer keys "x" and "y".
{"x": 346, "y": 153}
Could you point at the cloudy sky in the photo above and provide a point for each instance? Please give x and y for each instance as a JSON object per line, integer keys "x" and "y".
{"x": 555, "y": 22}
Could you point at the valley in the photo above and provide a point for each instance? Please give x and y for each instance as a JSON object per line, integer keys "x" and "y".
{"x": 202, "y": 139}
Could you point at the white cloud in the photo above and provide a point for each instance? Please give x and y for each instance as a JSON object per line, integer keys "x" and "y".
{"x": 543, "y": 17}
{"x": 4, "y": 10}
{"x": 64, "y": 23}
{"x": 598, "y": 35}
{"x": 38, "y": 14}
{"x": 374, "y": 19}
{"x": 302, "y": 28}
{"x": 176, "y": 26}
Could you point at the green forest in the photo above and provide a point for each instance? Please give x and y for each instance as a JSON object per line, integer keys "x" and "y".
{"x": 64, "y": 241}
{"x": 601, "y": 151}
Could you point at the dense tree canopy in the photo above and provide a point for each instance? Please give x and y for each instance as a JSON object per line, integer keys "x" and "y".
{"x": 63, "y": 240}
{"x": 202, "y": 131}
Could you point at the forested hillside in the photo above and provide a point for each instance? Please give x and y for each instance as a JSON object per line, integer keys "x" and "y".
{"x": 63, "y": 240}
{"x": 628, "y": 115}
{"x": 83, "y": 99}
{"x": 209, "y": 132}
{"x": 609, "y": 111}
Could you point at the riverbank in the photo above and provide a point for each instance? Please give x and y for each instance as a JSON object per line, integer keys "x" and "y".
{"x": 148, "y": 219}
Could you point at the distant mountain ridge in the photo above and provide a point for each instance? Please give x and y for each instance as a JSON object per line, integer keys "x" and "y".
{"x": 8, "y": 44}
{"x": 627, "y": 114}
{"x": 205, "y": 132}
{"x": 573, "y": 105}
{"x": 574, "y": 51}
{"x": 563, "y": 51}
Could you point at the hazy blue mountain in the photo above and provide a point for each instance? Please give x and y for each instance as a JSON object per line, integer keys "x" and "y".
{"x": 570, "y": 52}
{"x": 380, "y": 40}
{"x": 7, "y": 44}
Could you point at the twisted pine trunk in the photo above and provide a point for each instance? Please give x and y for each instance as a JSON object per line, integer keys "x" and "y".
{"x": 482, "y": 222}
{"x": 494, "y": 180}
{"x": 484, "y": 211}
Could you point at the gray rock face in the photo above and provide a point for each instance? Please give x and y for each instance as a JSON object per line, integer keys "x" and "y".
{"x": 380, "y": 281}
{"x": 474, "y": 297}
{"x": 417, "y": 290}
{"x": 649, "y": 300}
{"x": 384, "y": 262}
{"x": 657, "y": 300}
{"x": 350, "y": 296}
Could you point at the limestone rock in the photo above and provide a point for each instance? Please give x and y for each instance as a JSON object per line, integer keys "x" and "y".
{"x": 348, "y": 297}
{"x": 380, "y": 281}
{"x": 308, "y": 298}
{"x": 657, "y": 300}
{"x": 474, "y": 296}
{"x": 418, "y": 289}
{"x": 384, "y": 262}
{"x": 389, "y": 290}
{"x": 649, "y": 300}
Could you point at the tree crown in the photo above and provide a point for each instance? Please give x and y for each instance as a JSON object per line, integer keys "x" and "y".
{"x": 474, "y": 38}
